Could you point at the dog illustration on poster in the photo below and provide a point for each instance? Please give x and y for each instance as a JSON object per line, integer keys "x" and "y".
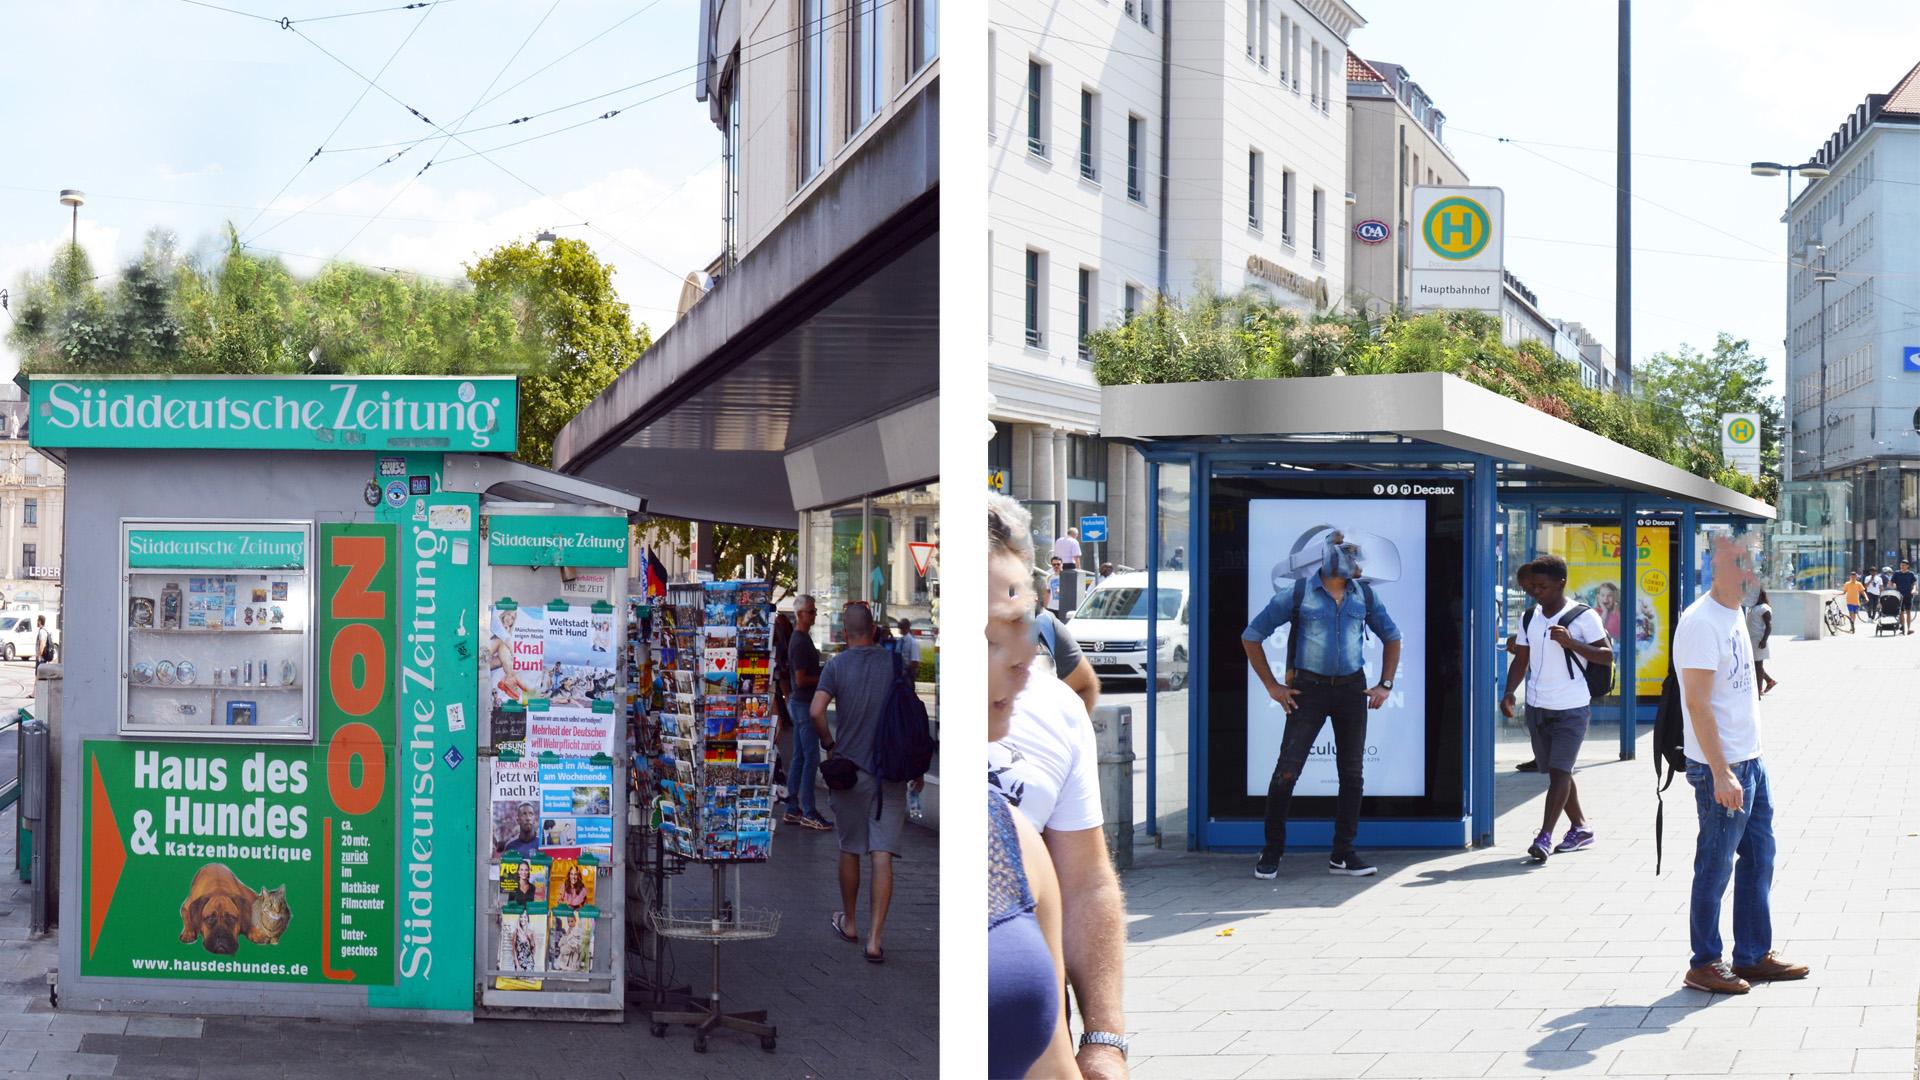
{"x": 219, "y": 910}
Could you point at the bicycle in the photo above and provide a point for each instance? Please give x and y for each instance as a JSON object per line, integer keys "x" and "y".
{"x": 1836, "y": 619}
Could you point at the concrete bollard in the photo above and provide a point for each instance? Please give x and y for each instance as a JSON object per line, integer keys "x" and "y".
{"x": 1113, "y": 732}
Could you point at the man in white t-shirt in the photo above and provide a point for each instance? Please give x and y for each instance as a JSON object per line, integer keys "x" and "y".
{"x": 1068, "y": 548}
{"x": 1721, "y": 704}
{"x": 1048, "y": 767}
{"x": 1558, "y": 641}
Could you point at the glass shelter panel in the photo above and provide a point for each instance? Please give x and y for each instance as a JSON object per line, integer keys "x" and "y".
{"x": 1172, "y": 728}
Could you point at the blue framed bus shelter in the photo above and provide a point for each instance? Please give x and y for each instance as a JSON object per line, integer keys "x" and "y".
{"x": 1490, "y": 476}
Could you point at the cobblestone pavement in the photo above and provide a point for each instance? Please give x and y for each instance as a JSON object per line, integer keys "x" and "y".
{"x": 838, "y": 1015}
{"x": 1476, "y": 963}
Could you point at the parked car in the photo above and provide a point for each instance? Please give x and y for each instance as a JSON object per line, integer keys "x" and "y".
{"x": 1111, "y": 626}
{"x": 17, "y": 633}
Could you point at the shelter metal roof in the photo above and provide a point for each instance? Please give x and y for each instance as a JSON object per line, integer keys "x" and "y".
{"x": 1430, "y": 406}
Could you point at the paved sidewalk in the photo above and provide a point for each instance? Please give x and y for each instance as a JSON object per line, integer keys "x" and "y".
{"x": 1477, "y": 963}
{"x": 838, "y": 1016}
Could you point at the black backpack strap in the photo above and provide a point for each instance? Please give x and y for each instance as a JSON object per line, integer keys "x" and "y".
{"x": 1575, "y": 669}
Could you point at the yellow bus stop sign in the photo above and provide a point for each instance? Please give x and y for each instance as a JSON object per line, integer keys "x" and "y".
{"x": 1456, "y": 228}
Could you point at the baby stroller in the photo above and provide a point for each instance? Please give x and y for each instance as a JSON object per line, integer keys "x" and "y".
{"x": 1888, "y": 617}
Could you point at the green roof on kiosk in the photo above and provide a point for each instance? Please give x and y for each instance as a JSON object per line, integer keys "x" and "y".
{"x": 454, "y": 413}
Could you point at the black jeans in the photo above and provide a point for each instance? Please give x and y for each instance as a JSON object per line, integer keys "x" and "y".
{"x": 1315, "y": 704}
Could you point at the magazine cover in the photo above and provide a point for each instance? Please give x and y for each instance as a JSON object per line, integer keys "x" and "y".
{"x": 575, "y": 883}
{"x": 523, "y": 948}
{"x": 569, "y": 943}
{"x": 515, "y": 787}
{"x": 523, "y": 881}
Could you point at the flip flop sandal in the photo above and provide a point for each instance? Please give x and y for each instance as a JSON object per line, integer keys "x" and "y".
{"x": 839, "y": 930}
{"x": 872, "y": 959}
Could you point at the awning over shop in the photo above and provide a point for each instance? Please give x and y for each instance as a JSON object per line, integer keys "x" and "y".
{"x": 1432, "y": 407}
{"x": 788, "y": 386}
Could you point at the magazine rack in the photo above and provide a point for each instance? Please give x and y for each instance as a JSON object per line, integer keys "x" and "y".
{"x": 726, "y": 922}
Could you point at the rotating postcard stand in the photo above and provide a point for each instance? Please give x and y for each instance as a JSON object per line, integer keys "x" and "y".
{"x": 711, "y": 741}
{"x": 551, "y": 880}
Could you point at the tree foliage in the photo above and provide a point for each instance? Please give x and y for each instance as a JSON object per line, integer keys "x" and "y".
{"x": 1210, "y": 335}
{"x": 549, "y": 315}
{"x": 775, "y": 552}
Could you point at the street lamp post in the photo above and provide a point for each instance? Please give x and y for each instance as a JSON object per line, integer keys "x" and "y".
{"x": 1812, "y": 170}
{"x": 75, "y": 198}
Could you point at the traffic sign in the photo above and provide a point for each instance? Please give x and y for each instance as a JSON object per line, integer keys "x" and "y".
{"x": 1372, "y": 232}
{"x": 1740, "y": 442}
{"x": 1460, "y": 227}
{"x": 922, "y": 557}
{"x": 1093, "y": 529}
{"x": 1910, "y": 358}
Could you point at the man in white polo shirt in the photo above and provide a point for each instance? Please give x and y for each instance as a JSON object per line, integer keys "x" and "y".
{"x": 1721, "y": 704}
{"x": 1068, "y": 549}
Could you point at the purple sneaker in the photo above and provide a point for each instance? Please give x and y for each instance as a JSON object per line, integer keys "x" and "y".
{"x": 1538, "y": 849}
{"x": 1579, "y": 836}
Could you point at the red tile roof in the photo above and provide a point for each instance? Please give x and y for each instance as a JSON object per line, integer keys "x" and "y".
{"x": 1359, "y": 70}
{"x": 1905, "y": 97}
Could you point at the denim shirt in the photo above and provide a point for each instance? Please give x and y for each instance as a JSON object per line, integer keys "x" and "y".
{"x": 1330, "y": 632}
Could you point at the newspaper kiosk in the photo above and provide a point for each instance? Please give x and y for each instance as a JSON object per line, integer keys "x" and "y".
{"x": 275, "y": 658}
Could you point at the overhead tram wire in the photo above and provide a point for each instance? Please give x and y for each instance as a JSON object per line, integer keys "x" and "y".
{"x": 285, "y": 22}
{"x": 404, "y": 188}
{"x": 418, "y": 23}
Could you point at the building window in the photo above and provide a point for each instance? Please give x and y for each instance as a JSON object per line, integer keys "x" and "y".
{"x": 1253, "y": 30}
{"x": 1035, "y": 267}
{"x": 1286, "y": 27}
{"x": 1254, "y": 184}
{"x": 1293, "y": 53}
{"x": 31, "y": 512}
{"x": 1286, "y": 207}
{"x": 1089, "y": 297}
{"x": 1089, "y": 132}
{"x": 1319, "y": 225}
{"x": 1326, "y": 81}
{"x": 29, "y": 556}
{"x": 1263, "y": 35}
{"x": 1146, "y": 14}
{"x": 1136, "y": 132}
{"x": 1130, "y": 301}
{"x": 866, "y": 63}
{"x": 1086, "y": 457}
{"x": 923, "y": 33}
{"x": 813, "y": 88}
{"x": 1313, "y": 83}
{"x": 1036, "y": 108}
{"x": 730, "y": 150}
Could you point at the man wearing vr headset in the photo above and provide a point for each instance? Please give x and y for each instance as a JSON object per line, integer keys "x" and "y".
{"x": 1320, "y": 588}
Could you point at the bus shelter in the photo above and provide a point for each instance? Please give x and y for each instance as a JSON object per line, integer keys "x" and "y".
{"x": 1453, "y": 487}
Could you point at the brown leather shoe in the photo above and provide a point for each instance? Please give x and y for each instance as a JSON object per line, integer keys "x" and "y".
{"x": 1717, "y": 978}
{"x": 1772, "y": 969}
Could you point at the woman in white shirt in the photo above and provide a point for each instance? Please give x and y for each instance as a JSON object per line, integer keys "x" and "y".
{"x": 1760, "y": 628}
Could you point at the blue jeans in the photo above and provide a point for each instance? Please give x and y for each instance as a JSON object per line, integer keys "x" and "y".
{"x": 806, "y": 757}
{"x": 1725, "y": 835}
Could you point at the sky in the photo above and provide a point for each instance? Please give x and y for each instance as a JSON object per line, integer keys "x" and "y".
{"x": 176, "y": 115}
{"x": 1720, "y": 82}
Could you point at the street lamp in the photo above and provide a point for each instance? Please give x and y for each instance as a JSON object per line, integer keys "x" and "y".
{"x": 1813, "y": 170}
{"x": 75, "y": 198}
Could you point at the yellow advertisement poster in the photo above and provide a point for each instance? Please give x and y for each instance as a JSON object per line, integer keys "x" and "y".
{"x": 1593, "y": 579}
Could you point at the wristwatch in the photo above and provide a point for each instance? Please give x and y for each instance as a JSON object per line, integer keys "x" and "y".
{"x": 1386, "y": 684}
{"x": 826, "y": 744}
{"x": 1104, "y": 1038}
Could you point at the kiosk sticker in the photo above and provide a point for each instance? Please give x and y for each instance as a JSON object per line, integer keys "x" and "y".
{"x": 259, "y": 864}
{"x": 1286, "y": 542}
{"x": 527, "y": 540}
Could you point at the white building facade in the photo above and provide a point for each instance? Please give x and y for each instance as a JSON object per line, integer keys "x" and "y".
{"x": 1863, "y": 220}
{"x": 1247, "y": 101}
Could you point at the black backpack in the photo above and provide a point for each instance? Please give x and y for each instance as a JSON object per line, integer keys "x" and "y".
{"x": 1669, "y": 749}
{"x": 903, "y": 746}
{"x": 1599, "y": 676}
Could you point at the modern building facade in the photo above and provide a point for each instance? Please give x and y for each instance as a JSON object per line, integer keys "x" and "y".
{"x": 801, "y": 389}
{"x": 1395, "y": 143}
{"x": 1861, "y": 222}
{"x": 1128, "y": 159}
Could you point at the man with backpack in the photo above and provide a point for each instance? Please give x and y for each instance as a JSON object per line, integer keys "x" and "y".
{"x": 1564, "y": 653}
{"x": 1330, "y": 613}
{"x": 868, "y": 815}
{"x": 1720, "y": 702}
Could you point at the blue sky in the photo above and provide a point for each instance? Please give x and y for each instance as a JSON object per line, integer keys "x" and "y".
{"x": 1726, "y": 82}
{"x": 176, "y": 115}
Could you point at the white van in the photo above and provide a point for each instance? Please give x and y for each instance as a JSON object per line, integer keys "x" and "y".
{"x": 17, "y": 632}
{"x": 1111, "y": 626}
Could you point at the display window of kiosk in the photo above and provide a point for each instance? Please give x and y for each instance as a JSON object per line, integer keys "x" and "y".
{"x": 217, "y": 642}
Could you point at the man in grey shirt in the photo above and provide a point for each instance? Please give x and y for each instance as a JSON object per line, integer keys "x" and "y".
{"x": 858, "y": 681}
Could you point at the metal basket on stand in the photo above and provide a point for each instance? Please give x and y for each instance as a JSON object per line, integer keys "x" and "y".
{"x": 744, "y": 924}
